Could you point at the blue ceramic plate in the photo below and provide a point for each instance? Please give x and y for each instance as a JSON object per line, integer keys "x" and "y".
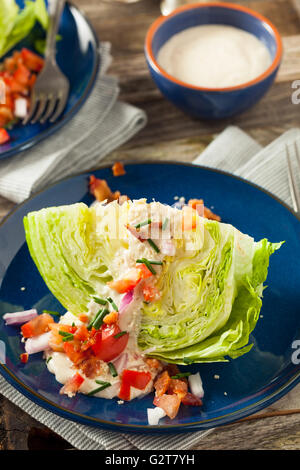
{"x": 245, "y": 385}
{"x": 78, "y": 58}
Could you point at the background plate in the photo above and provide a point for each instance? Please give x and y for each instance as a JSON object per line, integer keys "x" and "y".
{"x": 246, "y": 384}
{"x": 78, "y": 58}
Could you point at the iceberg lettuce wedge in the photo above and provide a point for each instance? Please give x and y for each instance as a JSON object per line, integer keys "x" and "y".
{"x": 210, "y": 295}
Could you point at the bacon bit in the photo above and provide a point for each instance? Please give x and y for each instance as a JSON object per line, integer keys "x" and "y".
{"x": 169, "y": 403}
{"x": 179, "y": 387}
{"x": 84, "y": 318}
{"x": 56, "y": 340}
{"x": 123, "y": 198}
{"x": 81, "y": 333}
{"x": 118, "y": 169}
{"x": 191, "y": 400}
{"x": 111, "y": 318}
{"x": 91, "y": 367}
{"x": 153, "y": 363}
{"x": 198, "y": 204}
{"x": 172, "y": 369}
{"x": 101, "y": 191}
{"x": 210, "y": 215}
{"x": 24, "y": 358}
{"x": 162, "y": 383}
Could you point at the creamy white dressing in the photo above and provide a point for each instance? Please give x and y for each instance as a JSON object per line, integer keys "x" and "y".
{"x": 214, "y": 56}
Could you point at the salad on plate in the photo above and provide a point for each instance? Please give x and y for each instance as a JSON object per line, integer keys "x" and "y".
{"x": 147, "y": 287}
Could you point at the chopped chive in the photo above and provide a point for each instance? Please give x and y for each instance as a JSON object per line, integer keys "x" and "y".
{"x": 99, "y": 319}
{"x": 55, "y": 314}
{"x": 146, "y": 263}
{"x": 49, "y": 359}
{"x": 100, "y": 301}
{"x": 145, "y": 302}
{"x": 73, "y": 324}
{"x": 179, "y": 376}
{"x": 68, "y": 338}
{"x": 165, "y": 223}
{"x": 64, "y": 333}
{"x": 110, "y": 300}
{"x": 112, "y": 369}
{"x": 99, "y": 389}
{"x": 152, "y": 244}
{"x": 101, "y": 382}
{"x": 120, "y": 334}
{"x": 142, "y": 224}
{"x": 159, "y": 263}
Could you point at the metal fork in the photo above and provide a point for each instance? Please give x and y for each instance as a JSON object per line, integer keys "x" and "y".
{"x": 51, "y": 89}
{"x": 295, "y": 192}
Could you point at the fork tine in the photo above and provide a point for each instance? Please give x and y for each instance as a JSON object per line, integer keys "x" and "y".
{"x": 292, "y": 180}
{"x": 33, "y": 105}
{"x": 40, "y": 109}
{"x": 60, "y": 107}
{"x": 50, "y": 108}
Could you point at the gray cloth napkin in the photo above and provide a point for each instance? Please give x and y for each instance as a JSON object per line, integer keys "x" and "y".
{"x": 101, "y": 125}
{"x": 234, "y": 151}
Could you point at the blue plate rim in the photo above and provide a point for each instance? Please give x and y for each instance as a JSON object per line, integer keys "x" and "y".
{"x": 292, "y": 378}
{"x": 66, "y": 118}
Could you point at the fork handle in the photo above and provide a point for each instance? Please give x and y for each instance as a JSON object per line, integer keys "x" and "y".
{"x": 55, "y": 11}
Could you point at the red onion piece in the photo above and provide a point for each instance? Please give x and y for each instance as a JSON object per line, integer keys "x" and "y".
{"x": 121, "y": 362}
{"x": 167, "y": 247}
{"x": 18, "y": 318}
{"x": 141, "y": 235}
{"x": 126, "y": 300}
{"x": 38, "y": 343}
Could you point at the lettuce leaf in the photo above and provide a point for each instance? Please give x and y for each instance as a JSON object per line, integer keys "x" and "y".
{"x": 210, "y": 295}
{"x": 16, "y": 23}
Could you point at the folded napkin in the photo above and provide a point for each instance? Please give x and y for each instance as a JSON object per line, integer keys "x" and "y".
{"x": 101, "y": 125}
{"x": 234, "y": 151}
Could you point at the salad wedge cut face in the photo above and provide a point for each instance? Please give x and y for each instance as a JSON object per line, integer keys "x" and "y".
{"x": 199, "y": 299}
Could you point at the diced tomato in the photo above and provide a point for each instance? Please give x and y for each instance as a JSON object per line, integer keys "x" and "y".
{"x": 74, "y": 352}
{"x": 4, "y": 136}
{"x": 22, "y": 74}
{"x": 10, "y": 64}
{"x": 106, "y": 346}
{"x": 133, "y": 378}
{"x": 151, "y": 293}
{"x": 81, "y": 333}
{"x": 191, "y": 400}
{"x": 162, "y": 383}
{"x": 56, "y": 340}
{"x": 84, "y": 318}
{"x": 169, "y": 403}
{"x": 128, "y": 283}
{"x": 72, "y": 385}
{"x": 32, "y": 61}
{"x": 111, "y": 318}
{"x": 24, "y": 358}
{"x": 145, "y": 272}
{"x": 37, "y": 325}
{"x": 118, "y": 169}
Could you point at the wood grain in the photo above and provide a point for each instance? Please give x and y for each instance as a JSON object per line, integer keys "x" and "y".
{"x": 171, "y": 135}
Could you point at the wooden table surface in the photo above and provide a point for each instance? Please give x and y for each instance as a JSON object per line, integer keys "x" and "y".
{"x": 170, "y": 135}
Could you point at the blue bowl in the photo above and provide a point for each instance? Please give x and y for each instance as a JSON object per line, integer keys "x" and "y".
{"x": 212, "y": 103}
